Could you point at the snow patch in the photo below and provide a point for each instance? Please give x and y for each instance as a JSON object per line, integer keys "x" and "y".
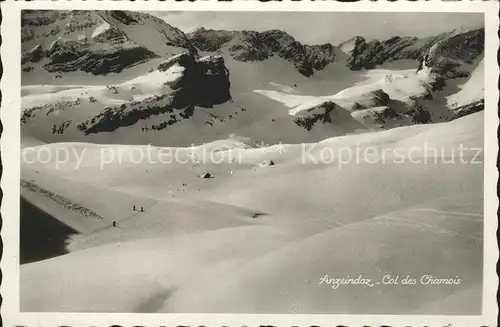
{"x": 100, "y": 29}
{"x": 283, "y": 88}
{"x": 471, "y": 91}
{"x": 157, "y": 77}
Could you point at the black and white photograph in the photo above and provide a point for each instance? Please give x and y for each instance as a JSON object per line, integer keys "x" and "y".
{"x": 252, "y": 162}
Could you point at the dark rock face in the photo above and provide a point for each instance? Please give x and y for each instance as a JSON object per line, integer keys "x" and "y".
{"x": 111, "y": 51}
{"x": 320, "y": 114}
{"x": 258, "y": 46}
{"x": 468, "y": 109}
{"x": 458, "y": 46}
{"x": 266, "y": 163}
{"x": 204, "y": 83}
{"x": 210, "y": 40}
{"x": 127, "y": 114}
{"x": 386, "y": 114}
{"x": 73, "y": 56}
{"x": 368, "y": 55}
{"x": 171, "y": 35}
{"x": 50, "y": 108}
{"x": 420, "y": 115}
{"x": 464, "y": 46}
{"x": 447, "y": 55}
{"x": 34, "y": 55}
{"x": 112, "y": 36}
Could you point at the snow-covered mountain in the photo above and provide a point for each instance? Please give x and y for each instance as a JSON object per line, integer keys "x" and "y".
{"x": 261, "y": 176}
{"x": 461, "y": 44}
{"x": 258, "y": 46}
{"x": 265, "y": 86}
{"x": 419, "y": 95}
{"x": 97, "y": 42}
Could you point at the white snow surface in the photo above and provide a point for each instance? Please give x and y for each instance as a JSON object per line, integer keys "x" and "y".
{"x": 399, "y": 85}
{"x": 258, "y": 240}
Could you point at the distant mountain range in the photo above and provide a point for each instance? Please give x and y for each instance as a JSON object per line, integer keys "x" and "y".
{"x": 109, "y": 41}
{"x": 221, "y": 67}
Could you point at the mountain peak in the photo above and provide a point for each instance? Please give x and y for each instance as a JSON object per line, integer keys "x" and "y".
{"x": 98, "y": 42}
{"x": 258, "y": 46}
{"x": 351, "y": 44}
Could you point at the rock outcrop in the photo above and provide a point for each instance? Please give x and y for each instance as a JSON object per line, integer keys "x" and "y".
{"x": 203, "y": 83}
{"x": 368, "y": 55}
{"x": 266, "y": 163}
{"x": 458, "y": 47}
{"x": 446, "y": 56}
{"x": 95, "y": 58}
{"x": 327, "y": 114}
{"x": 97, "y": 42}
{"x": 468, "y": 109}
{"x": 34, "y": 55}
{"x": 258, "y": 46}
{"x": 375, "y": 98}
{"x": 318, "y": 114}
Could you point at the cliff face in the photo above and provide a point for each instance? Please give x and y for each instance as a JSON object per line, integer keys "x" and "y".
{"x": 258, "y": 46}
{"x": 368, "y": 55}
{"x": 316, "y": 115}
{"x": 408, "y": 97}
{"x": 97, "y": 42}
{"x": 205, "y": 81}
{"x": 34, "y": 55}
{"x": 103, "y": 42}
{"x": 199, "y": 83}
{"x": 446, "y": 56}
{"x": 98, "y": 58}
{"x": 327, "y": 115}
{"x": 458, "y": 47}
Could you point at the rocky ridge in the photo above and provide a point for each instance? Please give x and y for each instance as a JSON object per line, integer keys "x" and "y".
{"x": 103, "y": 42}
{"x": 97, "y": 42}
{"x": 257, "y": 46}
{"x": 458, "y": 46}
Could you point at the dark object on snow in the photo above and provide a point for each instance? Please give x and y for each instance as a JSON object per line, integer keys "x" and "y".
{"x": 134, "y": 207}
{"x": 206, "y": 176}
{"x": 114, "y": 223}
{"x": 266, "y": 163}
{"x": 142, "y": 209}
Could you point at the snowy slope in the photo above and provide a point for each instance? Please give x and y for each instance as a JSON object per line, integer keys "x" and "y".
{"x": 471, "y": 91}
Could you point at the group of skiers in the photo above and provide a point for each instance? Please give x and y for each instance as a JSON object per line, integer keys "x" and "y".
{"x": 142, "y": 210}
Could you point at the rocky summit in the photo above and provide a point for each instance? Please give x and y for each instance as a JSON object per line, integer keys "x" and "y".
{"x": 154, "y": 80}
{"x": 457, "y": 46}
{"x": 97, "y": 42}
{"x": 258, "y": 46}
